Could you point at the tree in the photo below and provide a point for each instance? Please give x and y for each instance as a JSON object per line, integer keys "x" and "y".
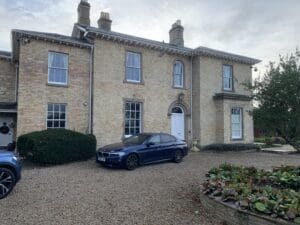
{"x": 278, "y": 97}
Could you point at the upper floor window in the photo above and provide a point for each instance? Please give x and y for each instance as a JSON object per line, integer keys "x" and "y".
{"x": 227, "y": 78}
{"x": 56, "y": 115}
{"x": 57, "y": 68}
{"x": 178, "y": 74}
{"x": 133, "y": 67}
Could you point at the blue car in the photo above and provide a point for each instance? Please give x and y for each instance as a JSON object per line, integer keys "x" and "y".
{"x": 10, "y": 172}
{"x": 142, "y": 149}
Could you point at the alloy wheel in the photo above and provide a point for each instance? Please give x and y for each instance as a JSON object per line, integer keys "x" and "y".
{"x": 7, "y": 182}
{"x": 178, "y": 156}
{"x": 132, "y": 162}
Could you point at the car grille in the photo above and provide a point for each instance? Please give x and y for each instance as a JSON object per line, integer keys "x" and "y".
{"x": 103, "y": 154}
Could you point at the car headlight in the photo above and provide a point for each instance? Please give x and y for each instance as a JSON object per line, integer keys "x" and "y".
{"x": 15, "y": 158}
{"x": 117, "y": 154}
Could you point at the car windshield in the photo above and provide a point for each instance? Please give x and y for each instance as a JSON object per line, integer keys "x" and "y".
{"x": 136, "y": 139}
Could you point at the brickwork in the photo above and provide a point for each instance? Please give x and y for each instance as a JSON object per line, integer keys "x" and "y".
{"x": 213, "y": 117}
{"x": 156, "y": 91}
{"x": 35, "y": 94}
{"x": 7, "y": 81}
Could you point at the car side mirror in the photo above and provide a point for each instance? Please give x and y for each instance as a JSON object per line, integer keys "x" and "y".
{"x": 150, "y": 144}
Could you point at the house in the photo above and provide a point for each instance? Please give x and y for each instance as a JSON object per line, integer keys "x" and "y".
{"x": 115, "y": 85}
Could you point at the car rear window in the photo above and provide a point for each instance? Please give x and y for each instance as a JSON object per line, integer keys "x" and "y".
{"x": 165, "y": 138}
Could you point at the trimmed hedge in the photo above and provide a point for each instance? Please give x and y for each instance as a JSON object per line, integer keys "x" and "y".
{"x": 230, "y": 147}
{"x": 56, "y": 146}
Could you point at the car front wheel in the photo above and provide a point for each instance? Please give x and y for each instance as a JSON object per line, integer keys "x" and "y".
{"x": 178, "y": 156}
{"x": 7, "y": 182}
{"x": 132, "y": 162}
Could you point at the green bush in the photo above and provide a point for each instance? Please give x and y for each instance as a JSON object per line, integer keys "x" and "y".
{"x": 56, "y": 146}
{"x": 230, "y": 147}
{"x": 275, "y": 193}
{"x": 270, "y": 140}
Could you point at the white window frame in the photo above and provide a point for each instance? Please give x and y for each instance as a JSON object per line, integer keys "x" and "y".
{"x": 59, "y": 120}
{"x": 130, "y": 118}
{"x": 230, "y": 78}
{"x": 138, "y": 67}
{"x": 182, "y": 74}
{"x": 240, "y": 123}
{"x": 58, "y": 68}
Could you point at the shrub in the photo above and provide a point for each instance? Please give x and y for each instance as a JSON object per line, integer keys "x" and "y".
{"x": 230, "y": 147}
{"x": 56, "y": 146}
{"x": 275, "y": 193}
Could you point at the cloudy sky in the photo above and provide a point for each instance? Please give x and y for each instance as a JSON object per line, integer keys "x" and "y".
{"x": 255, "y": 28}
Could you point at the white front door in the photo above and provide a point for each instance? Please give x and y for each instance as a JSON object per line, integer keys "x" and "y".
{"x": 177, "y": 123}
{"x": 6, "y": 130}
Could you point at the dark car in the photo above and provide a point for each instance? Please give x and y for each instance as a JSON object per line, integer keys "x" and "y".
{"x": 142, "y": 149}
{"x": 10, "y": 172}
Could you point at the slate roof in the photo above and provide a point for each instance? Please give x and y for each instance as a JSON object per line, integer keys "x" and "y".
{"x": 129, "y": 39}
{"x": 133, "y": 40}
{"x": 5, "y": 55}
{"x": 59, "y": 38}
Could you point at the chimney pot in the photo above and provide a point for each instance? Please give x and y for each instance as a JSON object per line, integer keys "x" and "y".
{"x": 104, "y": 22}
{"x": 84, "y": 13}
{"x": 176, "y": 34}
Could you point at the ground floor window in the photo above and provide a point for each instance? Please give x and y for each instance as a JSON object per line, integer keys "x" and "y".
{"x": 133, "y": 118}
{"x": 236, "y": 123}
{"x": 56, "y": 115}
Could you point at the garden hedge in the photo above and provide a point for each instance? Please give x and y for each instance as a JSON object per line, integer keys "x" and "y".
{"x": 56, "y": 146}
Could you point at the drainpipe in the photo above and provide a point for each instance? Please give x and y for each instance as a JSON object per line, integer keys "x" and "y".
{"x": 191, "y": 98}
{"x": 16, "y": 82}
{"x": 91, "y": 90}
{"x": 91, "y": 65}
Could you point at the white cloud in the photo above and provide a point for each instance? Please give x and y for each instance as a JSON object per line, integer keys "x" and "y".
{"x": 255, "y": 28}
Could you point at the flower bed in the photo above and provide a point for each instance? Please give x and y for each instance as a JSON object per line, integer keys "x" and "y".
{"x": 274, "y": 193}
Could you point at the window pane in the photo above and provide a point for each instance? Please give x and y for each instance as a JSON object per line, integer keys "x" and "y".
{"x": 62, "y": 116}
{"x": 49, "y": 124}
{"x": 62, "y": 124}
{"x": 227, "y": 77}
{"x": 56, "y": 107}
{"x": 62, "y": 108}
{"x": 132, "y": 118}
{"x": 137, "y": 123}
{"x": 56, "y": 124}
{"x": 132, "y": 107}
{"x": 50, "y": 107}
{"x": 57, "y": 67}
{"x": 50, "y": 116}
{"x": 167, "y": 138}
{"x": 155, "y": 139}
{"x": 236, "y": 123}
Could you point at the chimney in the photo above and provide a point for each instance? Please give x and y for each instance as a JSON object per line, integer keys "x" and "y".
{"x": 104, "y": 22}
{"x": 176, "y": 34}
{"x": 84, "y": 13}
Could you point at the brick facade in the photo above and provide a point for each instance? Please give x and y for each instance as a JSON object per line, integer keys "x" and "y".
{"x": 35, "y": 93}
{"x": 7, "y": 81}
{"x": 97, "y": 89}
{"x": 156, "y": 91}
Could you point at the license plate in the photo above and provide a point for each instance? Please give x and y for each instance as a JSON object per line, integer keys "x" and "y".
{"x": 101, "y": 159}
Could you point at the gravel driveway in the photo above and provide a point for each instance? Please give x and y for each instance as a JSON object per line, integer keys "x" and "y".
{"x": 84, "y": 193}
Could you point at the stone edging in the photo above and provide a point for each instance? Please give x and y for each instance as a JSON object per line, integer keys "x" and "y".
{"x": 233, "y": 216}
